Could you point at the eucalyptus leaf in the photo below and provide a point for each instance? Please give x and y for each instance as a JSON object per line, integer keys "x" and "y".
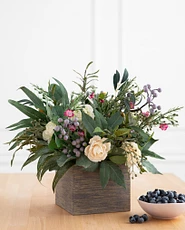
{"x": 150, "y": 167}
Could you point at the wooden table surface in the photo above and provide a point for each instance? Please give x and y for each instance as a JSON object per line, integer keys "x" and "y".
{"x": 25, "y": 204}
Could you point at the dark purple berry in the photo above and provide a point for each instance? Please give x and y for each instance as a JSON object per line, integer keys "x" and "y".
{"x": 132, "y": 219}
{"x": 145, "y": 217}
{"x": 140, "y": 220}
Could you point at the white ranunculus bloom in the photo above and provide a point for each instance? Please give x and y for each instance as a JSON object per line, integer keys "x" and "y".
{"x": 78, "y": 115}
{"x": 48, "y": 132}
{"x": 97, "y": 151}
{"x": 88, "y": 110}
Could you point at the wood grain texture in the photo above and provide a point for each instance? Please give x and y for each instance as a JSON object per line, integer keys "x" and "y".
{"x": 25, "y": 204}
{"x": 80, "y": 192}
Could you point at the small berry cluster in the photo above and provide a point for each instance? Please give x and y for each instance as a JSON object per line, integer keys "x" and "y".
{"x": 151, "y": 94}
{"x": 66, "y": 129}
{"x": 138, "y": 219}
{"x": 161, "y": 196}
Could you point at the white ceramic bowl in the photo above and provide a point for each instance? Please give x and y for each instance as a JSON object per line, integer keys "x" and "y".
{"x": 163, "y": 211}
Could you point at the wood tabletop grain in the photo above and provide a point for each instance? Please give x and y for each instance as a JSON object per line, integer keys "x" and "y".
{"x": 26, "y": 204}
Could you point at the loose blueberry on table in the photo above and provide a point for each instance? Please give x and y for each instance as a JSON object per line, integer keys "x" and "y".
{"x": 160, "y": 196}
{"x": 138, "y": 219}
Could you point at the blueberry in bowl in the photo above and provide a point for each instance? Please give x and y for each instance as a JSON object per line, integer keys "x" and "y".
{"x": 163, "y": 204}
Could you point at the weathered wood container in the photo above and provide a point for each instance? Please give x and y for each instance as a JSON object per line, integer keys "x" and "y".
{"x": 80, "y": 192}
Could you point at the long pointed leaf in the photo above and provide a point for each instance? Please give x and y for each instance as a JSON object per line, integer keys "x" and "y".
{"x": 100, "y": 120}
{"x": 104, "y": 173}
{"x": 36, "y": 101}
{"x": 65, "y": 98}
{"x": 21, "y": 124}
{"x": 32, "y": 113}
{"x": 59, "y": 174}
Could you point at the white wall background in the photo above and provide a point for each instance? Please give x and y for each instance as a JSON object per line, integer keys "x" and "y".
{"x": 41, "y": 39}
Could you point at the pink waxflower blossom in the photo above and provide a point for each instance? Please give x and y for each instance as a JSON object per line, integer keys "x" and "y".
{"x": 81, "y": 133}
{"x": 72, "y": 128}
{"x": 131, "y": 105}
{"x": 163, "y": 126}
{"x": 92, "y": 95}
{"x": 146, "y": 114}
{"x": 102, "y": 101}
{"x": 69, "y": 113}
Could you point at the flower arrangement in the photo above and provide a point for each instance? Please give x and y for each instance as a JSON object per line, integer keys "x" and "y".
{"x": 96, "y": 131}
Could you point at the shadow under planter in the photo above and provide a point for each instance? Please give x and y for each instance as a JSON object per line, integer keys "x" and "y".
{"x": 80, "y": 192}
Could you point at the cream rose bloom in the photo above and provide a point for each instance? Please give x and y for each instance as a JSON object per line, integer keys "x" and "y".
{"x": 97, "y": 151}
{"x": 48, "y": 132}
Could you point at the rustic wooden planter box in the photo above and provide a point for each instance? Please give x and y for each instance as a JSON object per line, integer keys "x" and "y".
{"x": 80, "y": 192}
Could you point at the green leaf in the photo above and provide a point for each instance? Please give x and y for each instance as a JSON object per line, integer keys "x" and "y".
{"x": 118, "y": 159}
{"x": 121, "y": 132}
{"x": 88, "y": 123}
{"x": 63, "y": 92}
{"x": 21, "y": 124}
{"x": 116, "y": 79}
{"x": 115, "y": 120}
{"x": 148, "y": 144}
{"x": 144, "y": 135}
{"x": 104, "y": 173}
{"x": 125, "y": 76}
{"x": 92, "y": 167}
{"x": 52, "y": 144}
{"x": 100, "y": 120}
{"x": 36, "y": 101}
{"x": 36, "y": 155}
{"x": 116, "y": 174}
{"x": 150, "y": 167}
{"x": 151, "y": 154}
{"x": 88, "y": 165}
{"x": 45, "y": 163}
{"x": 83, "y": 161}
{"x": 59, "y": 174}
{"x": 64, "y": 159}
{"x": 115, "y": 151}
{"x": 32, "y": 113}
{"x": 58, "y": 141}
{"x": 98, "y": 130}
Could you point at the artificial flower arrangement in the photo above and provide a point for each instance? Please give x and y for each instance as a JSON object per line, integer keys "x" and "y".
{"x": 93, "y": 130}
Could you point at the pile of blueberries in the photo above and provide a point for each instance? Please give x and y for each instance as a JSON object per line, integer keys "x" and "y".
{"x": 138, "y": 219}
{"x": 160, "y": 196}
